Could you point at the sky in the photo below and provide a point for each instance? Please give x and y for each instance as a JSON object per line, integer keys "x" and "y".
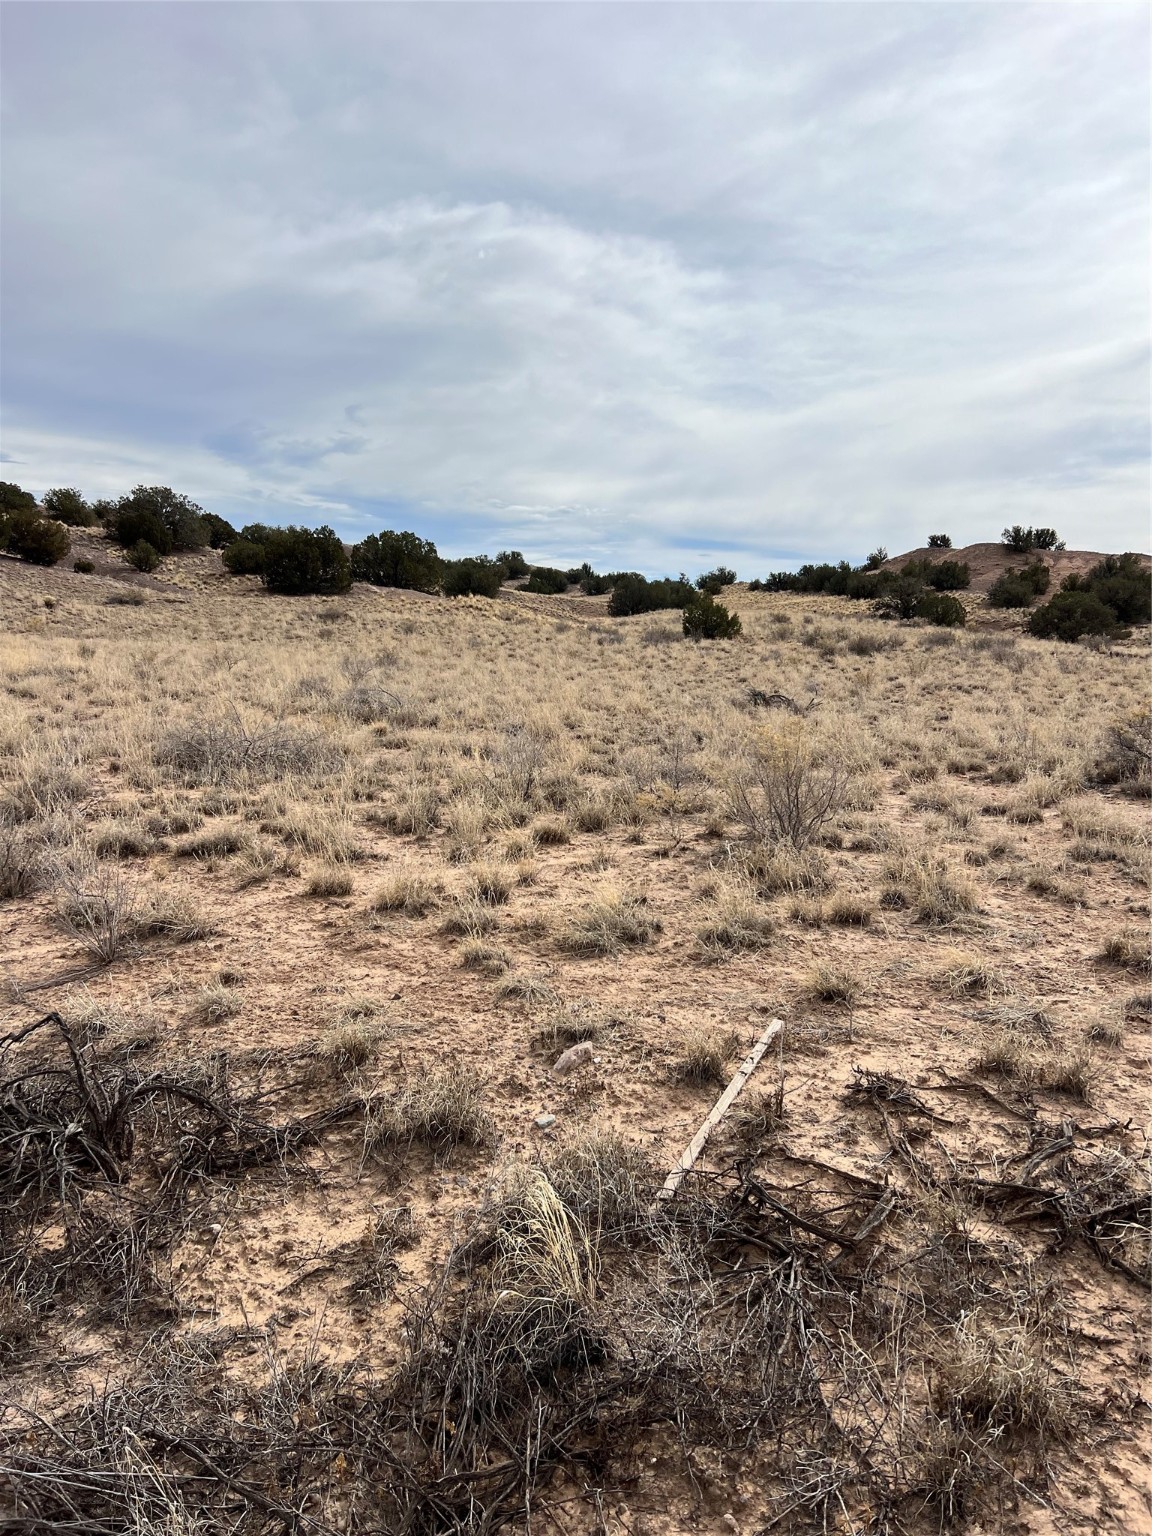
{"x": 653, "y": 285}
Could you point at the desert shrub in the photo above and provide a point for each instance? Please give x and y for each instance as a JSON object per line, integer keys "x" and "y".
{"x": 220, "y": 531}
{"x": 84, "y": 567}
{"x": 66, "y": 505}
{"x": 244, "y": 557}
{"x": 513, "y": 564}
{"x": 941, "y": 575}
{"x": 1022, "y": 541}
{"x": 15, "y": 499}
{"x": 590, "y": 582}
{"x": 474, "y": 576}
{"x": 1020, "y": 587}
{"x": 142, "y": 556}
{"x": 706, "y": 619}
{"x": 38, "y": 540}
{"x": 713, "y": 582}
{"x": 305, "y": 560}
{"x": 604, "y": 1180}
{"x": 1126, "y": 755}
{"x": 390, "y": 559}
{"x": 131, "y": 525}
{"x": 546, "y": 579}
{"x": 1121, "y": 583}
{"x": 1071, "y": 614}
{"x": 634, "y": 593}
{"x": 217, "y": 751}
{"x": 182, "y": 520}
{"x": 788, "y": 787}
{"x": 941, "y": 609}
{"x": 939, "y": 541}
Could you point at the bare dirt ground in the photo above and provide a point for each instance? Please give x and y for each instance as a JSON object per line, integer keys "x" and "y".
{"x": 320, "y": 889}
{"x": 988, "y": 561}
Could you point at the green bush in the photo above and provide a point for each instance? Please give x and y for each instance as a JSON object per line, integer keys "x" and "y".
{"x": 1022, "y": 541}
{"x": 899, "y": 598}
{"x": 13, "y": 498}
{"x": 85, "y": 567}
{"x": 942, "y": 609}
{"x": 220, "y": 531}
{"x": 546, "y": 579}
{"x": 592, "y": 584}
{"x": 941, "y": 576}
{"x": 66, "y": 505}
{"x": 706, "y": 619}
{"x": 1020, "y": 586}
{"x": 876, "y": 559}
{"x": 135, "y": 525}
{"x": 389, "y": 559}
{"x": 514, "y": 564}
{"x": 38, "y": 540}
{"x": 142, "y": 556}
{"x": 1072, "y": 613}
{"x": 633, "y": 593}
{"x": 244, "y": 558}
{"x": 939, "y": 541}
{"x": 1122, "y": 583}
{"x": 103, "y": 510}
{"x": 184, "y": 523}
{"x": 475, "y": 576}
{"x": 713, "y": 582}
{"x": 300, "y": 560}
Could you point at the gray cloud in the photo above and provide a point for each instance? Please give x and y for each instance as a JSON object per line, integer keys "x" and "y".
{"x": 636, "y": 282}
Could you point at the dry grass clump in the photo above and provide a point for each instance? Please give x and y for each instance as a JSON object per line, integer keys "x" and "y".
{"x": 967, "y": 975}
{"x": 931, "y": 885}
{"x": 604, "y": 1180}
{"x": 758, "y": 1114}
{"x": 417, "y": 808}
{"x": 531, "y": 990}
{"x": 490, "y": 883}
{"x": 122, "y": 839}
{"x": 216, "y": 1002}
{"x": 328, "y": 833}
{"x": 784, "y": 869}
{"x": 352, "y": 1041}
{"x": 568, "y": 1023}
{"x": 24, "y": 864}
{"x": 1003, "y": 1379}
{"x": 550, "y": 832}
{"x": 226, "y": 750}
{"x": 468, "y": 919}
{"x": 827, "y": 983}
{"x": 787, "y": 787}
{"x": 609, "y": 923}
{"x": 1107, "y": 1029}
{"x": 488, "y": 959}
{"x": 407, "y": 889}
{"x": 215, "y": 843}
{"x": 736, "y": 923}
{"x": 442, "y": 1109}
{"x": 329, "y": 881}
{"x": 1046, "y": 880}
{"x": 704, "y": 1057}
{"x": 262, "y": 863}
{"x": 1130, "y": 948}
{"x": 1070, "y": 1071}
{"x": 846, "y": 910}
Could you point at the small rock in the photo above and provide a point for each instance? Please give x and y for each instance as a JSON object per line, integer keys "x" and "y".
{"x": 572, "y": 1058}
{"x": 542, "y": 1122}
{"x": 215, "y": 1228}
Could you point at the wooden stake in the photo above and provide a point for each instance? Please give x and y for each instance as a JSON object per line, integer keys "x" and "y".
{"x": 694, "y": 1148}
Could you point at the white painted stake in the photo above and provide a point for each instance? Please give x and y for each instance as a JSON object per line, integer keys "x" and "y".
{"x": 694, "y": 1148}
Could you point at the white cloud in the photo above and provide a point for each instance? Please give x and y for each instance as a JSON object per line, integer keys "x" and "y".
{"x": 618, "y": 282}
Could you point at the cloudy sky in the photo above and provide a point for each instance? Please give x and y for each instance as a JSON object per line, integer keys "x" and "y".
{"x": 647, "y": 284}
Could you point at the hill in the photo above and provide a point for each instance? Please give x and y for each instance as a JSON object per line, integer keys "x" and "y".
{"x": 988, "y": 561}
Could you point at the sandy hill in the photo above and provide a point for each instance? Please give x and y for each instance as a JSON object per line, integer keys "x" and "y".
{"x": 988, "y": 561}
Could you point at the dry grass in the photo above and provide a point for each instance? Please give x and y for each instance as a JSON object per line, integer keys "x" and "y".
{"x": 216, "y": 1002}
{"x": 1131, "y": 948}
{"x": 329, "y": 881}
{"x": 443, "y": 1109}
{"x": 613, "y": 921}
{"x": 407, "y": 889}
{"x": 828, "y": 983}
{"x": 704, "y": 1057}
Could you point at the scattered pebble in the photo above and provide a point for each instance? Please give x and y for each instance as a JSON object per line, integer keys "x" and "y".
{"x": 542, "y": 1122}
{"x": 575, "y": 1056}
